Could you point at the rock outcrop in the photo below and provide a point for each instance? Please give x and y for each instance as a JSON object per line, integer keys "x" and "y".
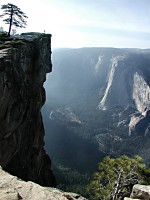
{"x": 23, "y": 67}
{"x": 140, "y": 125}
{"x": 140, "y": 192}
{"x": 15, "y": 189}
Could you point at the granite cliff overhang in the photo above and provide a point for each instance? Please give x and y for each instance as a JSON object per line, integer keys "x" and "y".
{"x": 24, "y": 62}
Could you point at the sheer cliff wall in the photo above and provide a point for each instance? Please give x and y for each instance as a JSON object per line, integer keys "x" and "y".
{"x": 23, "y": 67}
{"x": 127, "y": 82}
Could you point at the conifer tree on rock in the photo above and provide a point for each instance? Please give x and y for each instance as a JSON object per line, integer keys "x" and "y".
{"x": 117, "y": 176}
{"x": 13, "y": 16}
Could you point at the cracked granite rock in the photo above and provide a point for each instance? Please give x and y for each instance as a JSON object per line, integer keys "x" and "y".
{"x": 12, "y": 188}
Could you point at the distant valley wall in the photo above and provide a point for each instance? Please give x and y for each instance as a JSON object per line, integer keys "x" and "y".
{"x": 108, "y": 92}
{"x": 128, "y": 83}
{"x": 128, "y": 86}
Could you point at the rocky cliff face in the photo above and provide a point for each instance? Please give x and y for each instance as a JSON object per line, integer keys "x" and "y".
{"x": 23, "y": 68}
{"x": 128, "y": 86}
{"x": 128, "y": 82}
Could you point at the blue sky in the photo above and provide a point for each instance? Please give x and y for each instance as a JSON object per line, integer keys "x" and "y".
{"x": 89, "y": 23}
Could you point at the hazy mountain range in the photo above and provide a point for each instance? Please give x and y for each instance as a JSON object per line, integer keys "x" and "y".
{"x": 98, "y": 102}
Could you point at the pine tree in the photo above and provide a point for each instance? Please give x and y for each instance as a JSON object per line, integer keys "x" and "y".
{"x": 13, "y": 16}
{"x": 116, "y": 177}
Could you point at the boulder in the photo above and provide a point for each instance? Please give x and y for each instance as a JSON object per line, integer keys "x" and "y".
{"x": 141, "y": 192}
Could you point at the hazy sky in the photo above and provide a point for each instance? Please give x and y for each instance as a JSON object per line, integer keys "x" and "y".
{"x": 89, "y": 23}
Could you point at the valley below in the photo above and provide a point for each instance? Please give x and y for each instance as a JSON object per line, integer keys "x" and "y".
{"x": 98, "y": 102}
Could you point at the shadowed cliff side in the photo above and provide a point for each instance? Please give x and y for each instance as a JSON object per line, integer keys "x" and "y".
{"x": 23, "y": 68}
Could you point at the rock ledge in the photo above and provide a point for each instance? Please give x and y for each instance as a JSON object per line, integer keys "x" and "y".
{"x": 12, "y": 188}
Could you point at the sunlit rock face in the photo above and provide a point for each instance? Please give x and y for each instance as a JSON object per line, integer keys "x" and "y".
{"x": 127, "y": 83}
{"x": 23, "y": 69}
{"x": 140, "y": 192}
{"x": 141, "y": 92}
{"x": 15, "y": 189}
{"x": 118, "y": 90}
{"x": 128, "y": 86}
